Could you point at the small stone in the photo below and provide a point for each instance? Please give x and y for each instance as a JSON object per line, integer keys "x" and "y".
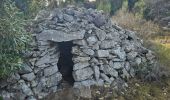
{"x": 43, "y": 60}
{"x": 81, "y": 59}
{"x": 80, "y": 42}
{"x": 13, "y": 78}
{"x": 50, "y": 70}
{"x": 88, "y": 51}
{"x": 28, "y": 77}
{"x": 107, "y": 44}
{"x": 25, "y": 89}
{"x": 95, "y": 46}
{"x": 94, "y": 60}
{"x": 53, "y": 80}
{"x": 127, "y": 66}
{"x": 92, "y": 40}
{"x": 106, "y": 78}
{"x": 31, "y": 98}
{"x": 100, "y": 34}
{"x": 120, "y": 53}
{"x": 3, "y": 83}
{"x": 80, "y": 65}
{"x": 100, "y": 82}
{"x": 131, "y": 55}
{"x": 34, "y": 83}
{"x": 96, "y": 72}
{"x": 125, "y": 74}
{"x": 110, "y": 71}
{"x": 99, "y": 21}
{"x": 118, "y": 65}
{"x": 102, "y": 53}
{"x": 109, "y": 36}
{"x": 68, "y": 18}
{"x": 138, "y": 60}
{"x": 82, "y": 74}
{"x": 25, "y": 69}
{"x": 150, "y": 56}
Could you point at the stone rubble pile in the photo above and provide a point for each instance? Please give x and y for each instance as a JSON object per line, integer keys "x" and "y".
{"x": 102, "y": 53}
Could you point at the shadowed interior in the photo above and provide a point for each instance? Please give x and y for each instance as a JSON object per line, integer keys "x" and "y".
{"x": 65, "y": 63}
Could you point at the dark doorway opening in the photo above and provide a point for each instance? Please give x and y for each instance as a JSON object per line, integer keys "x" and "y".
{"x": 65, "y": 63}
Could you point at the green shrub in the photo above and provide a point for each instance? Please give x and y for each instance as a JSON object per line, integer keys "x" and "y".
{"x": 104, "y": 5}
{"x": 13, "y": 38}
{"x": 116, "y": 5}
{"x": 140, "y": 7}
{"x": 1, "y": 98}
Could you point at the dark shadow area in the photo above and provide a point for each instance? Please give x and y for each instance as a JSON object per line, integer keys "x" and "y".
{"x": 65, "y": 63}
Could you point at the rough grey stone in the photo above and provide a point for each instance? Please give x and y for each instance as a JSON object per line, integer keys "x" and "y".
{"x": 102, "y": 53}
{"x": 96, "y": 72}
{"x": 82, "y": 74}
{"x": 31, "y": 98}
{"x": 99, "y": 21}
{"x": 100, "y": 82}
{"x": 100, "y": 34}
{"x": 117, "y": 65}
{"x": 53, "y": 80}
{"x": 6, "y": 95}
{"x": 60, "y": 36}
{"x": 120, "y": 53}
{"x": 94, "y": 60}
{"x": 95, "y": 46}
{"x": 150, "y": 56}
{"x": 105, "y": 77}
{"x": 107, "y": 44}
{"x": 110, "y": 71}
{"x": 25, "y": 69}
{"x": 25, "y": 89}
{"x": 80, "y": 42}
{"x": 50, "y": 70}
{"x": 13, "y": 78}
{"x": 41, "y": 84}
{"x": 88, "y": 51}
{"x": 81, "y": 59}
{"x": 68, "y": 18}
{"x": 80, "y": 65}
{"x": 131, "y": 55}
{"x": 92, "y": 40}
{"x": 3, "y": 83}
{"x": 138, "y": 60}
{"x": 28, "y": 77}
{"x": 43, "y": 60}
{"x": 127, "y": 66}
{"x": 125, "y": 74}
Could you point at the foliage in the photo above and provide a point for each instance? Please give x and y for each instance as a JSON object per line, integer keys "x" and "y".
{"x": 145, "y": 29}
{"x": 131, "y": 4}
{"x": 34, "y": 6}
{"x": 1, "y": 98}
{"x": 116, "y": 5}
{"x": 163, "y": 54}
{"x": 103, "y": 5}
{"x": 140, "y": 7}
{"x": 13, "y": 38}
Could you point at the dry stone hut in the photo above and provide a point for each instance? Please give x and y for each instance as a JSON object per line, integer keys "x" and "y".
{"x": 78, "y": 45}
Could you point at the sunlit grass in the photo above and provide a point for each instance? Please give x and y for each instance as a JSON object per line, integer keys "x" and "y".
{"x": 138, "y": 90}
{"x": 164, "y": 41}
